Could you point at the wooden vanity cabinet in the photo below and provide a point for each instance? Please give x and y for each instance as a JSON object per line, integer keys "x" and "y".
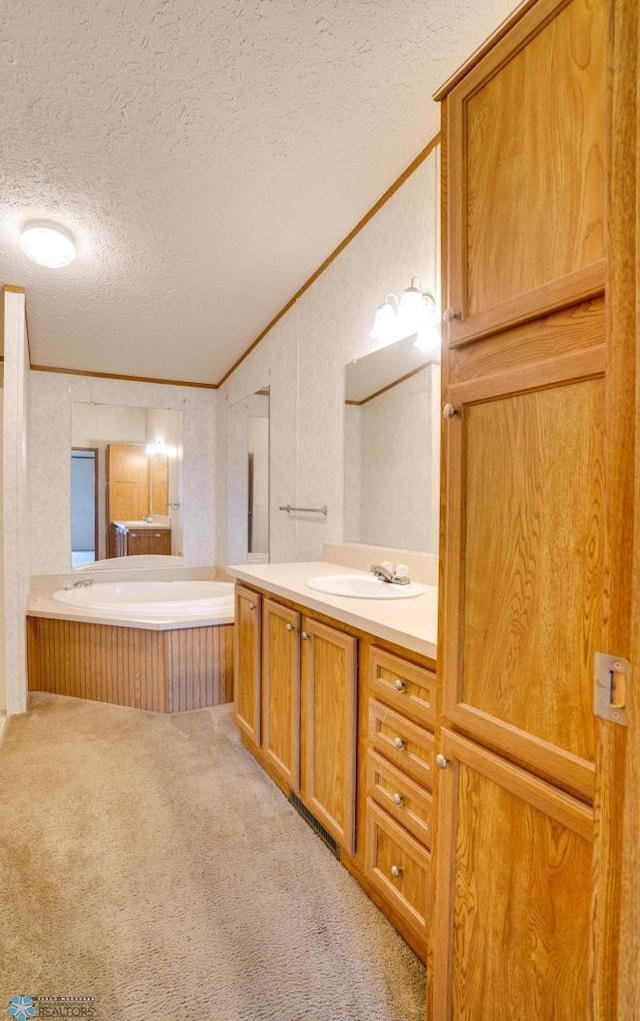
{"x": 399, "y": 773}
{"x": 329, "y": 728}
{"x": 247, "y": 663}
{"x": 281, "y": 691}
{"x": 344, "y": 724}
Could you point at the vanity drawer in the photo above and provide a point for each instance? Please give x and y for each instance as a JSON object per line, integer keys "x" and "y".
{"x": 404, "y": 686}
{"x": 407, "y": 746}
{"x": 403, "y": 799}
{"x": 398, "y": 867}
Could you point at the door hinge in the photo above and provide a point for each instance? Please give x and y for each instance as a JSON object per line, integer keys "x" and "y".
{"x": 610, "y": 678}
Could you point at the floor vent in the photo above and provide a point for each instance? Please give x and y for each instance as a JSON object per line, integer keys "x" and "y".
{"x": 314, "y": 824}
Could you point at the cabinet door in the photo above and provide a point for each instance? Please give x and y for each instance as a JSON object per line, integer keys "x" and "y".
{"x": 281, "y": 690}
{"x": 247, "y": 640}
{"x": 146, "y": 541}
{"x": 329, "y": 728}
{"x": 526, "y": 172}
{"x": 513, "y": 893}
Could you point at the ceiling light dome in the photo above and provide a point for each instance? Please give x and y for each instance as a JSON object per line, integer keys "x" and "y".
{"x": 48, "y": 244}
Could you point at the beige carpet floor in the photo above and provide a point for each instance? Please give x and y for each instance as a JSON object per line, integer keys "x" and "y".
{"x": 147, "y": 861}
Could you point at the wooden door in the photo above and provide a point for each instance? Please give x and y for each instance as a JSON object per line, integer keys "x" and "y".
{"x": 329, "y": 728}
{"x": 127, "y": 478}
{"x": 247, "y": 645}
{"x": 526, "y": 172}
{"x": 537, "y": 486}
{"x": 515, "y": 893}
{"x": 281, "y": 690}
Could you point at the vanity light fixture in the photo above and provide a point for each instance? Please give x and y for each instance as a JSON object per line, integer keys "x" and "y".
{"x": 413, "y": 315}
{"x": 48, "y": 244}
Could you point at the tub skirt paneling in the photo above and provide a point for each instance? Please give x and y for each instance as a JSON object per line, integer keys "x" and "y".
{"x": 164, "y": 671}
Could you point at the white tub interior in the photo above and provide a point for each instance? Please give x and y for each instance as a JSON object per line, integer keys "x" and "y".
{"x": 152, "y": 598}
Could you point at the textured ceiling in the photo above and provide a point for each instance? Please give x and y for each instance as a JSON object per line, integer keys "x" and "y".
{"x": 207, "y": 155}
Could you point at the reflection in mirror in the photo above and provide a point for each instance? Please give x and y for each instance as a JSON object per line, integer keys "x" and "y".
{"x": 248, "y": 479}
{"x": 126, "y": 482}
{"x": 392, "y": 448}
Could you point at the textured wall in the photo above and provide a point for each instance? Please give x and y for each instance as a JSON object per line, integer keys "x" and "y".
{"x": 302, "y": 359}
{"x": 15, "y": 500}
{"x": 52, "y": 397}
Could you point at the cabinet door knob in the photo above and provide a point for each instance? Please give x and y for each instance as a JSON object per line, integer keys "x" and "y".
{"x": 441, "y": 761}
{"x": 450, "y": 314}
{"x": 397, "y": 799}
{"x": 305, "y": 636}
{"x": 290, "y": 627}
{"x": 252, "y": 606}
{"x": 398, "y": 742}
{"x": 395, "y": 871}
{"x": 399, "y": 685}
{"x": 449, "y": 411}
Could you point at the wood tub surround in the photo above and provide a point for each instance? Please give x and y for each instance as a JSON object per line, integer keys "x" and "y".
{"x": 162, "y": 671}
{"x": 342, "y": 720}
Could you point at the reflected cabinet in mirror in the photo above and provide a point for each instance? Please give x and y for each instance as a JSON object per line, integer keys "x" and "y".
{"x": 248, "y": 479}
{"x": 392, "y": 449}
{"x": 126, "y": 482}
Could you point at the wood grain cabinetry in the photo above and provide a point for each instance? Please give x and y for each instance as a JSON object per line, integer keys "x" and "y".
{"x": 343, "y": 723}
{"x": 526, "y": 172}
{"x": 514, "y": 876}
{"x": 400, "y": 758}
{"x": 524, "y": 542}
{"x": 125, "y": 541}
{"x": 296, "y": 703}
{"x": 281, "y": 690}
{"x": 329, "y": 728}
{"x": 247, "y": 662}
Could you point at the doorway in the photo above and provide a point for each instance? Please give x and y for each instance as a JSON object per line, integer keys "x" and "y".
{"x": 84, "y": 505}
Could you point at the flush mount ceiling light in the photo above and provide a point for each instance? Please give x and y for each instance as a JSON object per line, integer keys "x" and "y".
{"x": 413, "y": 315}
{"x": 48, "y": 244}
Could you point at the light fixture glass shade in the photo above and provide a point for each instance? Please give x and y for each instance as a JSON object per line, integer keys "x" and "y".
{"x": 385, "y": 323}
{"x": 48, "y": 244}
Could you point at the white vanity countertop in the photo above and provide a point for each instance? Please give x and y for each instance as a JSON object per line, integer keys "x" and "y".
{"x": 410, "y": 623}
{"x": 140, "y": 524}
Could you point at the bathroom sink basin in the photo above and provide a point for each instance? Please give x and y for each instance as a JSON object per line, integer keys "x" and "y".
{"x": 362, "y": 586}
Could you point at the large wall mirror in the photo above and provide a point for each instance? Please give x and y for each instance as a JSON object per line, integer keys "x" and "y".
{"x": 126, "y": 482}
{"x": 248, "y": 479}
{"x": 392, "y": 449}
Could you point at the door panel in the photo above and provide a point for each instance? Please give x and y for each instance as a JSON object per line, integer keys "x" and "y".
{"x": 533, "y": 561}
{"x": 524, "y": 569}
{"x": 526, "y": 172}
{"x": 247, "y": 639}
{"x": 280, "y": 690}
{"x": 329, "y": 713}
{"x": 513, "y": 893}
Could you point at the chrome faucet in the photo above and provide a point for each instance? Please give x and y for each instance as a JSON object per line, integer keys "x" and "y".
{"x": 69, "y": 585}
{"x": 393, "y": 575}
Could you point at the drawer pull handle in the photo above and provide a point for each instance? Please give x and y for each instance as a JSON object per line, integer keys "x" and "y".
{"x": 395, "y": 871}
{"x": 397, "y": 799}
{"x": 399, "y": 685}
{"x": 398, "y": 742}
{"x": 291, "y": 627}
{"x": 441, "y": 761}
